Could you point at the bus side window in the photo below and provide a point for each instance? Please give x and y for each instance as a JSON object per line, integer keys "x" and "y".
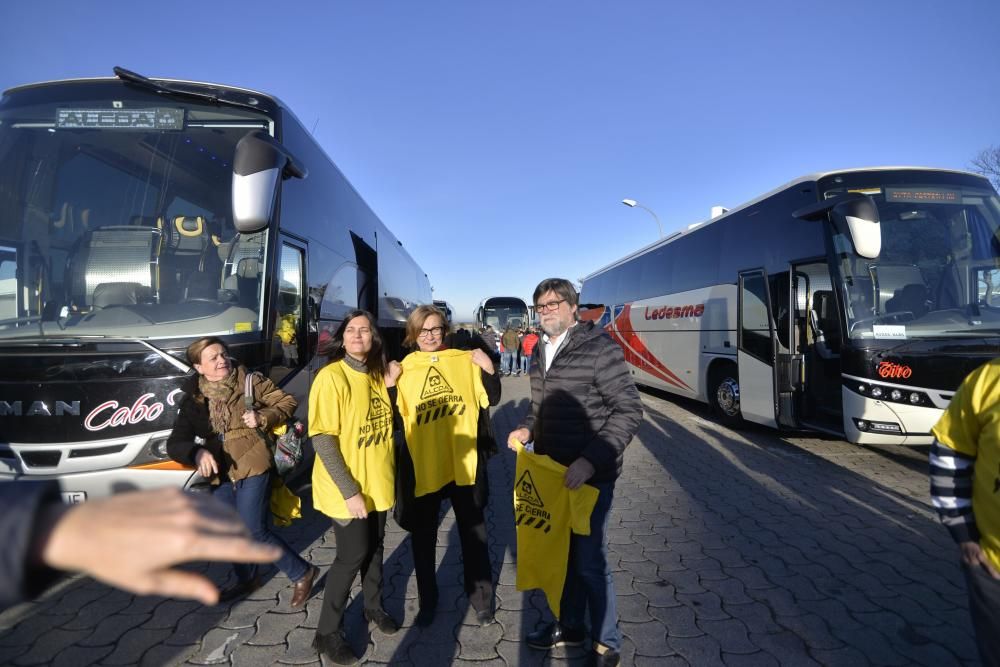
{"x": 289, "y": 335}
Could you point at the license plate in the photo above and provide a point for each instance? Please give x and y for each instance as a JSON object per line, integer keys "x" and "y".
{"x": 74, "y": 497}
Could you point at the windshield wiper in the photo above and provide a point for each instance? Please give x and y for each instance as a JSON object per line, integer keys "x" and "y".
{"x": 167, "y": 89}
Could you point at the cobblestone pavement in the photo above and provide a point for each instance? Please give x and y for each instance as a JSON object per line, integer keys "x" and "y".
{"x": 728, "y": 548}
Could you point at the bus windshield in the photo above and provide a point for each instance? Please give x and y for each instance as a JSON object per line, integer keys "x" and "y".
{"x": 938, "y": 272}
{"x": 501, "y": 313}
{"x": 116, "y": 220}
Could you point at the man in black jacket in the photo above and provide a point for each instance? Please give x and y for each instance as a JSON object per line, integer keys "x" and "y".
{"x": 584, "y": 411}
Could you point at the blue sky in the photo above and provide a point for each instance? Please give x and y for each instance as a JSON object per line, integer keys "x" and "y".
{"x": 497, "y": 139}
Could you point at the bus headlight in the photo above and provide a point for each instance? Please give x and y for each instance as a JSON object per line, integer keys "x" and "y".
{"x": 876, "y": 392}
{"x": 915, "y": 398}
{"x": 896, "y": 395}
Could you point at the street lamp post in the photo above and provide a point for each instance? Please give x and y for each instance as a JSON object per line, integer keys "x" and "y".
{"x": 631, "y": 203}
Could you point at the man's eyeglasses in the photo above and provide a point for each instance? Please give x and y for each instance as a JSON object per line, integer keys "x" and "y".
{"x": 549, "y": 307}
{"x": 433, "y": 331}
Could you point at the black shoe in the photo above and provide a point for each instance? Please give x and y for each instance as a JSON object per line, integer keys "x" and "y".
{"x": 334, "y": 647}
{"x": 554, "y": 635}
{"x": 485, "y": 617}
{"x": 425, "y": 616}
{"x": 382, "y": 621}
{"x": 239, "y": 589}
{"x": 606, "y": 657}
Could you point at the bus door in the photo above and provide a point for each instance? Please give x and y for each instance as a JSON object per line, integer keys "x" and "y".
{"x": 788, "y": 366}
{"x": 817, "y": 337}
{"x": 756, "y": 349}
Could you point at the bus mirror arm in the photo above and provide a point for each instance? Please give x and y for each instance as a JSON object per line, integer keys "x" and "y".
{"x": 854, "y": 213}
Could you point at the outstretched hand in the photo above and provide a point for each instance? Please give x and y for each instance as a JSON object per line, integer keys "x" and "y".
{"x": 134, "y": 540}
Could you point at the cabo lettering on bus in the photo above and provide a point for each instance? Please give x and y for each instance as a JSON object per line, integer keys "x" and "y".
{"x": 668, "y": 312}
{"x": 116, "y": 415}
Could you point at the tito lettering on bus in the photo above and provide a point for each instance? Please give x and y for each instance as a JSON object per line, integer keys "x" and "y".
{"x": 890, "y": 369}
{"x": 668, "y": 312}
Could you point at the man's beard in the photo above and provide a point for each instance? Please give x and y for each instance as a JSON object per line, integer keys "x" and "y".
{"x": 555, "y": 328}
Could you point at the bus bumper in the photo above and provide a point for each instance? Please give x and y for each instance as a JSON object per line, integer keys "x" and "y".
{"x": 96, "y": 468}
{"x": 78, "y": 487}
{"x": 914, "y": 421}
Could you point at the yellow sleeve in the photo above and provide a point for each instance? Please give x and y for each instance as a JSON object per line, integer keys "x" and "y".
{"x": 324, "y": 404}
{"x": 477, "y": 385}
{"x": 582, "y": 501}
{"x": 961, "y": 423}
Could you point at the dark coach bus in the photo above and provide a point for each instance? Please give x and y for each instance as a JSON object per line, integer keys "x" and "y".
{"x": 138, "y": 215}
{"x": 502, "y": 311}
{"x": 850, "y": 302}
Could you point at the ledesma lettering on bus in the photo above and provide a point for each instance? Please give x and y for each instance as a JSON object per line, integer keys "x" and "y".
{"x": 670, "y": 312}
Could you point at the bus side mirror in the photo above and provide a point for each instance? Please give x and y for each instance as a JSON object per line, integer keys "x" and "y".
{"x": 259, "y": 163}
{"x": 860, "y": 218}
{"x": 856, "y": 214}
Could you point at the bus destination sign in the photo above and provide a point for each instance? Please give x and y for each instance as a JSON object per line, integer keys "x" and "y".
{"x": 923, "y": 195}
{"x": 121, "y": 119}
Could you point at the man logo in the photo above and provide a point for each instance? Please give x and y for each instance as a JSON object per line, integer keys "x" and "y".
{"x": 434, "y": 384}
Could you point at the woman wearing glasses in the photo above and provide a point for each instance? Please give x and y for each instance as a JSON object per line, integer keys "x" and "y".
{"x": 443, "y": 399}
{"x": 350, "y": 422}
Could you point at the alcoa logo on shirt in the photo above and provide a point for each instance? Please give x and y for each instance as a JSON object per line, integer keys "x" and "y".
{"x": 530, "y": 509}
{"x": 439, "y": 400}
{"x": 375, "y": 430}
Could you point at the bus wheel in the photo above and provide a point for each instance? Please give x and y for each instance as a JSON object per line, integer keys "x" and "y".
{"x": 725, "y": 397}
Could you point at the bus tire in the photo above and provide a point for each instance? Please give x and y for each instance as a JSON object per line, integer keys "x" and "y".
{"x": 724, "y": 396}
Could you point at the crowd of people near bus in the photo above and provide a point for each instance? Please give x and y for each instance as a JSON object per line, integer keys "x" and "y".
{"x": 389, "y": 436}
{"x": 513, "y": 347}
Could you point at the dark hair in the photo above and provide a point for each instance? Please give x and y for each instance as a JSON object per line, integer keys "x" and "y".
{"x": 415, "y": 322}
{"x": 375, "y": 361}
{"x": 195, "y": 349}
{"x": 560, "y": 286}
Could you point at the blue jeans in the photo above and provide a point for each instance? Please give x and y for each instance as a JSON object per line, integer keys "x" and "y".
{"x": 252, "y": 499}
{"x": 588, "y": 577}
{"x": 525, "y": 363}
{"x": 508, "y": 362}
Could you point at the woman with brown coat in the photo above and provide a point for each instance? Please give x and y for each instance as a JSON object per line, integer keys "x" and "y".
{"x": 225, "y": 441}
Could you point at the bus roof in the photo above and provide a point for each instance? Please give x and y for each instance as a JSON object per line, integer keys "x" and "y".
{"x": 808, "y": 178}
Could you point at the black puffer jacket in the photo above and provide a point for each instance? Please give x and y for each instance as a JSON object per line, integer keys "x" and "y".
{"x": 586, "y": 405}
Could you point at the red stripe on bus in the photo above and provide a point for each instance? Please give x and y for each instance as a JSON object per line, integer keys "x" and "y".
{"x": 636, "y": 352}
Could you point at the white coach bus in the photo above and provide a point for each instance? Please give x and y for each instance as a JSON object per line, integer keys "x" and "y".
{"x": 849, "y": 302}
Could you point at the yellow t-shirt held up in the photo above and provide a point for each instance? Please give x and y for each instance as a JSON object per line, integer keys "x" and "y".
{"x": 545, "y": 512}
{"x": 356, "y": 409}
{"x": 439, "y": 397}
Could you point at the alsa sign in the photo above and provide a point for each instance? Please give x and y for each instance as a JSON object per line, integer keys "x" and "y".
{"x": 670, "y": 312}
{"x": 108, "y": 414}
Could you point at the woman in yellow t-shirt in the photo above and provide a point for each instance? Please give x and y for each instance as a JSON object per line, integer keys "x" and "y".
{"x": 443, "y": 390}
{"x": 350, "y": 422}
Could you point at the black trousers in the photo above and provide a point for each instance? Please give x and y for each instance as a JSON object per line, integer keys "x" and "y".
{"x": 359, "y": 549}
{"x": 471, "y": 533}
{"x": 984, "y": 607}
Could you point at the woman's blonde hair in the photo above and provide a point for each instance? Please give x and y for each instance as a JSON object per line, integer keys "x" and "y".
{"x": 415, "y": 322}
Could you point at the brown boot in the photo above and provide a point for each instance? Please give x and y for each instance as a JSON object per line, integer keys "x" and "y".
{"x": 303, "y": 587}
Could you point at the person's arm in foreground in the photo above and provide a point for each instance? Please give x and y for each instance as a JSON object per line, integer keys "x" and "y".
{"x": 133, "y": 541}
